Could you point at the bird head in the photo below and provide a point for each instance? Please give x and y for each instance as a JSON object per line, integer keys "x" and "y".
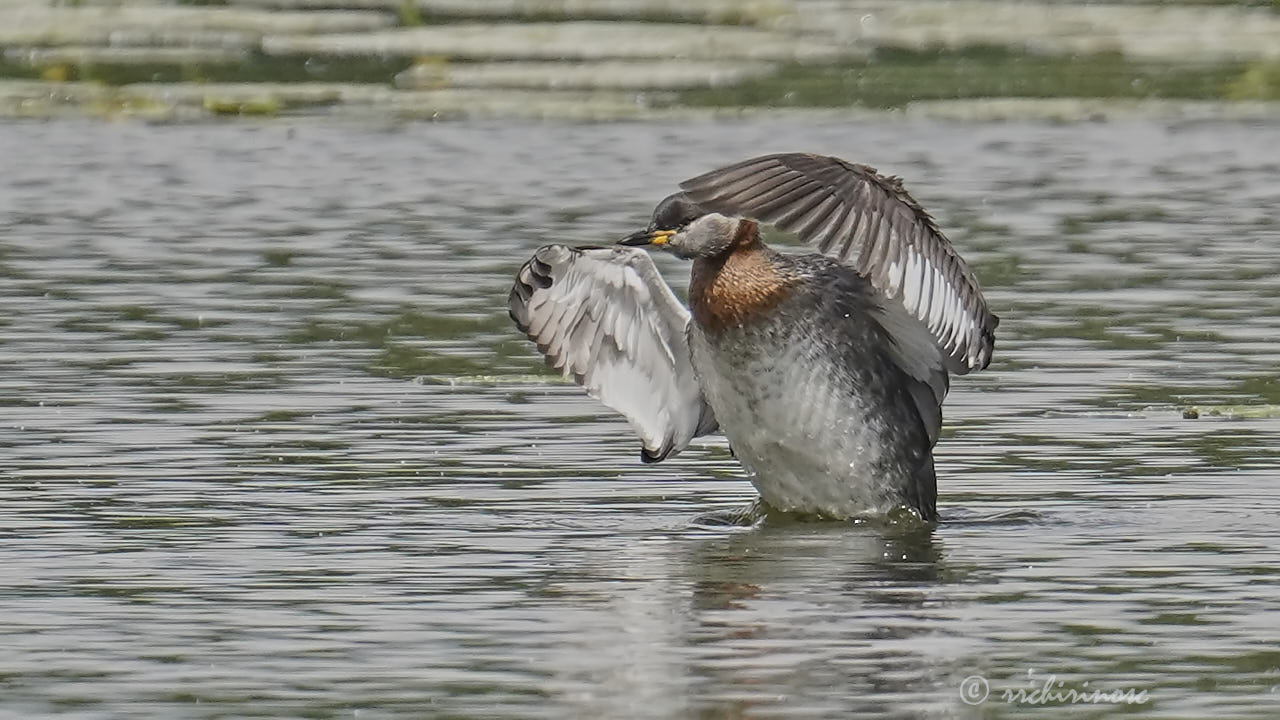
{"x": 687, "y": 230}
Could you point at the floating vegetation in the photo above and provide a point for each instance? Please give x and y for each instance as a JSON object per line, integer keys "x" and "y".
{"x": 264, "y": 105}
{"x": 1259, "y": 81}
{"x": 1232, "y": 412}
{"x": 893, "y": 78}
{"x": 435, "y": 59}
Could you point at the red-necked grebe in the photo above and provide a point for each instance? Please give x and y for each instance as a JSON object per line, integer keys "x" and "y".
{"x": 826, "y": 371}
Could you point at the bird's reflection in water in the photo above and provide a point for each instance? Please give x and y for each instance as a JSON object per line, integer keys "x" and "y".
{"x": 782, "y": 549}
{"x": 801, "y": 617}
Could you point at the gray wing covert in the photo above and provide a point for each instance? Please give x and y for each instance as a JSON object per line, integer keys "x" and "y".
{"x": 605, "y": 317}
{"x": 869, "y": 222}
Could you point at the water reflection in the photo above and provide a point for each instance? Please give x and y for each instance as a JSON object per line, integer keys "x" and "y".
{"x": 731, "y": 625}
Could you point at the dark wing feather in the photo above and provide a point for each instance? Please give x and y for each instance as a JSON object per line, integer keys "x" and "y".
{"x": 914, "y": 350}
{"x": 604, "y": 317}
{"x": 869, "y": 222}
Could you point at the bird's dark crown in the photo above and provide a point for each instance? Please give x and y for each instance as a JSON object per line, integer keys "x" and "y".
{"x": 675, "y": 212}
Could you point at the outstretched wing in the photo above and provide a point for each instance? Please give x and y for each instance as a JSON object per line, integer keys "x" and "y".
{"x": 605, "y": 317}
{"x": 869, "y": 222}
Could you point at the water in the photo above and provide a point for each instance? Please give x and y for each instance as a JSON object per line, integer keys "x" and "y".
{"x": 272, "y": 448}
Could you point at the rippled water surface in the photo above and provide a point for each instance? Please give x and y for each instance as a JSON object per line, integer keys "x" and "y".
{"x": 272, "y": 448}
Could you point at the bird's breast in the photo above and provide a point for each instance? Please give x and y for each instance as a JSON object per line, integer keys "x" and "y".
{"x": 738, "y": 288}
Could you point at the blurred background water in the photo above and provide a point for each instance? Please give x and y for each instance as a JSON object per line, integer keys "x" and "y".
{"x": 183, "y": 60}
{"x": 273, "y": 449}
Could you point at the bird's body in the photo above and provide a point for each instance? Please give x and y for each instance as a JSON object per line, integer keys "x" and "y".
{"x": 812, "y": 405}
{"x": 825, "y": 371}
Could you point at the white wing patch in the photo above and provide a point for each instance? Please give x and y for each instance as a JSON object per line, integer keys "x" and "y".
{"x": 604, "y": 317}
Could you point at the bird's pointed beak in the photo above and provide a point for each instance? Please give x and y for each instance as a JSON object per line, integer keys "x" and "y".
{"x": 648, "y": 237}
